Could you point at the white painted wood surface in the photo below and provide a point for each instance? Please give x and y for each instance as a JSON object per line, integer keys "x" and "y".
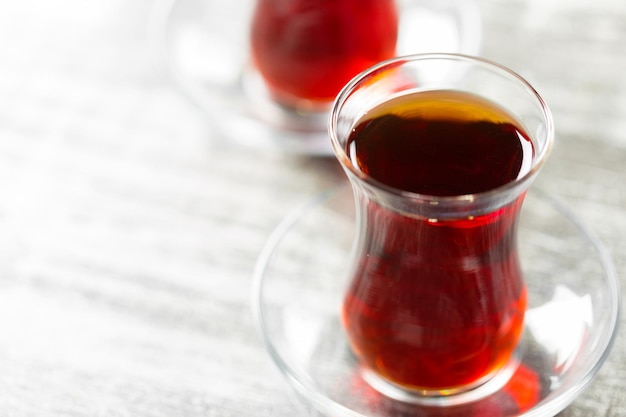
{"x": 128, "y": 236}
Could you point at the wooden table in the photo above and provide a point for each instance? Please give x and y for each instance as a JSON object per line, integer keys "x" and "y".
{"x": 129, "y": 234}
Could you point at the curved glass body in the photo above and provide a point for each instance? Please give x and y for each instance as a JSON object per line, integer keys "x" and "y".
{"x": 436, "y": 299}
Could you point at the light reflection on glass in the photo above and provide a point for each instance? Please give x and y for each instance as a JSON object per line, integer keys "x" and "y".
{"x": 561, "y": 324}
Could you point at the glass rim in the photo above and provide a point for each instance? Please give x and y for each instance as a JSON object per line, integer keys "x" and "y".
{"x": 538, "y": 160}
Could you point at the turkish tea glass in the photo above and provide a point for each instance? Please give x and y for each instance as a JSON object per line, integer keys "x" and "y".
{"x": 435, "y": 304}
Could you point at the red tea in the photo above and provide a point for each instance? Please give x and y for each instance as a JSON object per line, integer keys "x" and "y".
{"x": 308, "y": 49}
{"x": 437, "y": 303}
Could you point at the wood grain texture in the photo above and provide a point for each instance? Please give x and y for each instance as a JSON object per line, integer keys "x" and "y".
{"x": 128, "y": 235}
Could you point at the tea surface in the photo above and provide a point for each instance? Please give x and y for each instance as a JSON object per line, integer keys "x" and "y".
{"x": 440, "y": 143}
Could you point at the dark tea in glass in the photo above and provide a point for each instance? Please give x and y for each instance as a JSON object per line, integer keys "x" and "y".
{"x": 439, "y": 163}
{"x": 309, "y": 49}
{"x": 453, "y": 295}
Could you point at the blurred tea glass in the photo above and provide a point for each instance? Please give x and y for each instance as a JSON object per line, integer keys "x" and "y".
{"x": 223, "y": 56}
{"x": 306, "y": 51}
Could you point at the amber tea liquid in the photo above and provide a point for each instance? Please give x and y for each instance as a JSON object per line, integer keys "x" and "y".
{"x": 436, "y": 304}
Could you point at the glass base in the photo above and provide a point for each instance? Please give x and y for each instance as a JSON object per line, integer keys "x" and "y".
{"x": 303, "y": 116}
{"x": 570, "y": 322}
{"x": 486, "y": 386}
